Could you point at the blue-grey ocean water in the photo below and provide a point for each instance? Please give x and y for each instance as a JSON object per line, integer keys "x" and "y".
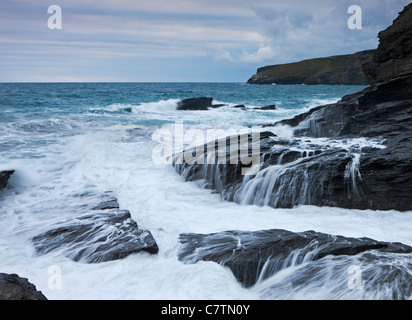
{"x": 65, "y": 139}
{"x": 37, "y": 113}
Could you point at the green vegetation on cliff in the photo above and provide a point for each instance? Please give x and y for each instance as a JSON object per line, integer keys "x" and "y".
{"x": 342, "y": 69}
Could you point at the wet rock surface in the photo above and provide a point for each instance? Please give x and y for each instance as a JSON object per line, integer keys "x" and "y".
{"x": 105, "y": 233}
{"x": 13, "y": 287}
{"x": 201, "y": 103}
{"x": 355, "y": 154}
{"x": 297, "y": 171}
{"x": 394, "y": 55}
{"x": 384, "y": 111}
{"x": 255, "y": 256}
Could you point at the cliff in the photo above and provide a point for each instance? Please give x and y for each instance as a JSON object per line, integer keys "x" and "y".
{"x": 394, "y": 55}
{"x": 343, "y": 69}
{"x": 4, "y": 178}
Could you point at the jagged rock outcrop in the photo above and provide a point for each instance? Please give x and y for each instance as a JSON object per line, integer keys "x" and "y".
{"x": 4, "y": 178}
{"x": 343, "y": 69}
{"x": 255, "y": 256}
{"x": 394, "y": 55}
{"x": 204, "y": 103}
{"x": 13, "y": 287}
{"x": 296, "y": 171}
{"x": 105, "y": 234}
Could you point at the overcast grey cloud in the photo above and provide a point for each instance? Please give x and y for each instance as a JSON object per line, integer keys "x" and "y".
{"x": 180, "y": 40}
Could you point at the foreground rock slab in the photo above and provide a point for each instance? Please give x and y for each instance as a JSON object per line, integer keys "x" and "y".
{"x": 13, "y": 287}
{"x": 105, "y": 234}
{"x": 255, "y": 256}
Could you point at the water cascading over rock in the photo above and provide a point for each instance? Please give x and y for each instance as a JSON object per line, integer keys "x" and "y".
{"x": 297, "y": 171}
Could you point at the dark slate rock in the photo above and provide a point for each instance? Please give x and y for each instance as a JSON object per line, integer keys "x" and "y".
{"x": 271, "y": 107}
{"x": 291, "y": 174}
{"x": 202, "y": 103}
{"x": 13, "y": 287}
{"x": 253, "y": 256}
{"x": 105, "y": 235}
{"x": 4, "y": 178}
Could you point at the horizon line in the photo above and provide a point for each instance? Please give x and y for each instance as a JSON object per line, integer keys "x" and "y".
{"x": 65, "y": 82}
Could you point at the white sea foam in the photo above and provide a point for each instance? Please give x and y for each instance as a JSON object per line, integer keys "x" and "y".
{"x": 321, "y": 102}
{"x": 44, "y": 190}
{"x": 160, "y": 106}
{"x": 156, "y": 107}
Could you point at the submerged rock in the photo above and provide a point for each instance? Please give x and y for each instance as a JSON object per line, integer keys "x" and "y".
{"x": 258, "y": 255}
{"x": 13, "y": 287}
{"x": 105, "y": 235}
{"x": 270, "y": 107}
{"x": 4, "y": 178}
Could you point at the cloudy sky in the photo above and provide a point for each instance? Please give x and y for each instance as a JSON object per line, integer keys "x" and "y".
{"x": 178, "y": 40}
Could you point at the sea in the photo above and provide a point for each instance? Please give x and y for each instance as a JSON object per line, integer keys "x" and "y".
{"x": 67, "y": 139}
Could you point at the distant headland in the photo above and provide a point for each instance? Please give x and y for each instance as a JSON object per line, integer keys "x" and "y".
{"x": 335, "y": 70}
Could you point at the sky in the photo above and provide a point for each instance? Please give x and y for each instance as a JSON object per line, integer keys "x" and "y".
{"x": 178, "y": 40}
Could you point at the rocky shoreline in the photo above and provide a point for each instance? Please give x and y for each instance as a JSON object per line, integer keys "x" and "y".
{"x": 206, "y": 103}
{"x": 101, "y": 232}
{"x": 366, "y": 163}
{"x": 13, "y": 287}
{"x": 373, "y": 176}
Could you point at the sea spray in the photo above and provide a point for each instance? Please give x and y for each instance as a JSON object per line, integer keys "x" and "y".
{"x": 233, "y": 147}
{"x": 78, "y": 154}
